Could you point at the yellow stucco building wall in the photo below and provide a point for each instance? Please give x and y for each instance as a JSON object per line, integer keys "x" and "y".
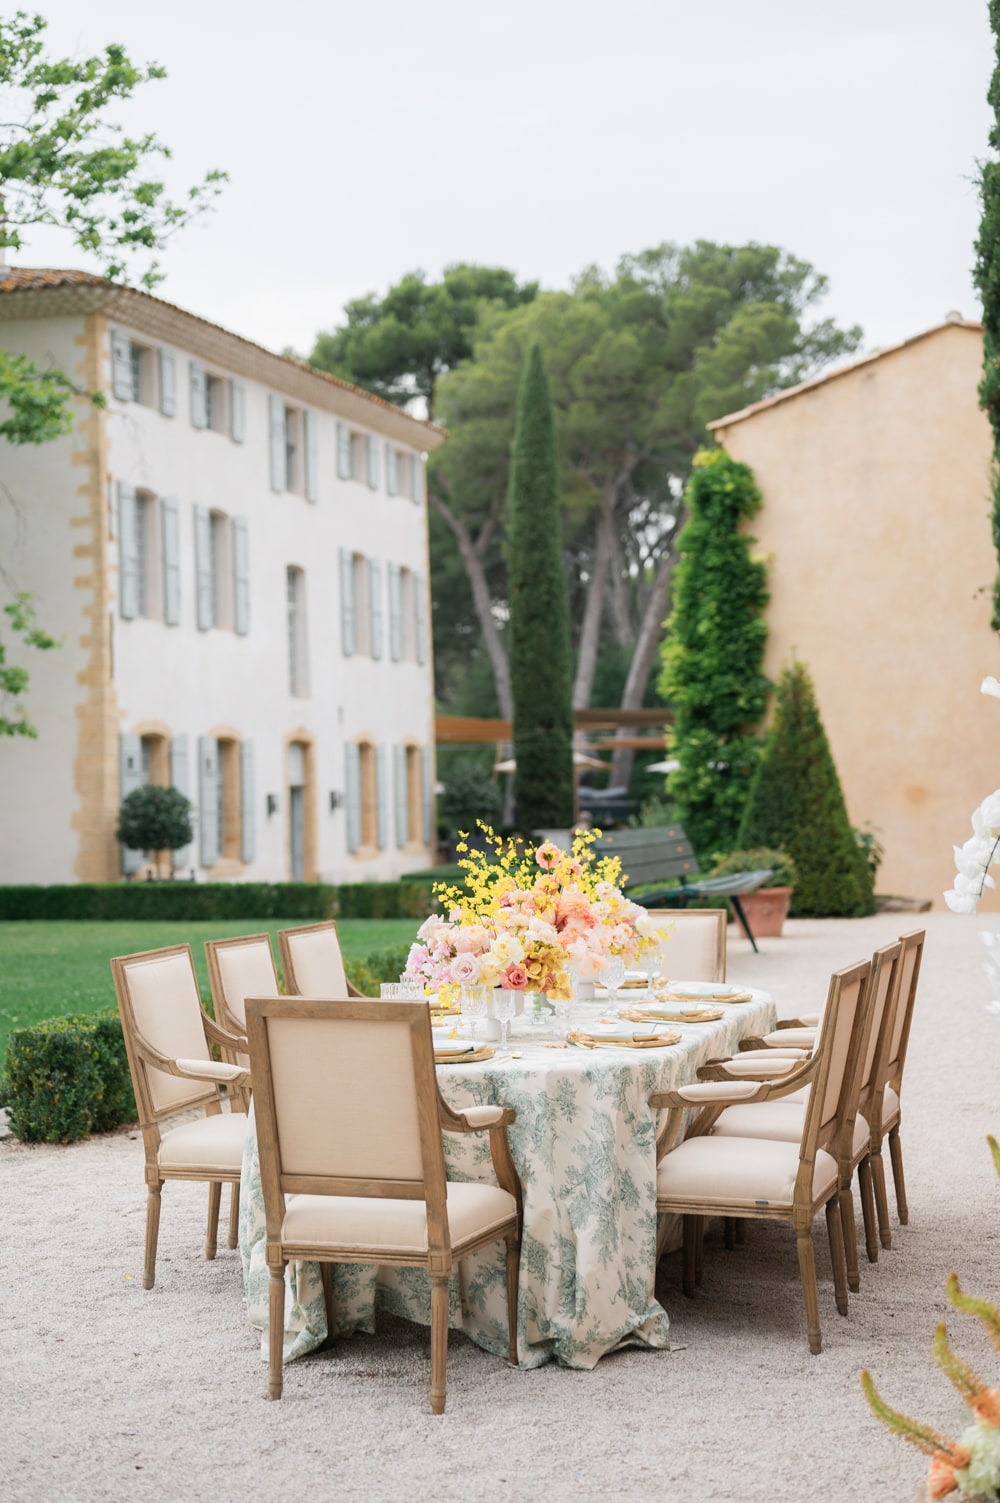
{"x": 876, "y": 527}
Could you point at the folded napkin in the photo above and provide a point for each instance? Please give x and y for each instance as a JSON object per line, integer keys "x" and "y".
{"x": 622, "y": 1040}
{"x": 469, "y": 1056}
{"x": 670, "y": 995}
{"x": 656, "y": 1014}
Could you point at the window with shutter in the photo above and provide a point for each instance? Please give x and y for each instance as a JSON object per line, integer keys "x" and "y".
{"x": 400, "y": 792}
{"x": 279, "y": 443}
{"x": 391, "y": 470}
{"x": 130, "y": 561}
{"x": 418, "y": 478}
{"x": 199, "y": 395}
{"x": 237, "y": 411}
{"x": 373, "y": 462}
{"x": 352, "y": 771}
{"x": 209, "y": 802}
{"x": 310, "y": 447}
{"x": 241, "y": 575}
{"x": 168, "y": 384}
{"x": 247, "y": 823}
{"x": 130, "y": 778}
{"x": 395, "y": 613}
{"x": 204, "y": 582}
{"x": 427, "y": 769}
{"x": 420, "y": 601}
{"x": 375, "y": 603}
{"x": 344, "y": 455}
{"x": 170, "y": 523}
{"x": 347, "y": 602}
{"x": 121, "y": 366}
{"x": 381, "y": 798}
{"x": 180, "y": 779}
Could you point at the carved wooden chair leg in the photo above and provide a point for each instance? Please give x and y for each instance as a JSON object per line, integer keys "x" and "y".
{"x": 896, "y": 1156}
{"x": 699, "y": 1248}
{"x": 212, "y": 1230}
{"x": 835, "y": 1232}
{"x": 807, "y": 1270}
{"x": 729, "y": 1232}
{"x": 881, "y": 1200}
{"x": 849, "y": 1233}
{"x": 513, "y": 1277}
{"x": 741, "y": 1231}
{"x": 690, "y": 1255}
{"x": 439, "y": 1340}
{"x": 234, "y": 1214}
{"x": 868, "y": 1209}
{"x": 275, "y": 1330}
{"x": 152, "y": 1234}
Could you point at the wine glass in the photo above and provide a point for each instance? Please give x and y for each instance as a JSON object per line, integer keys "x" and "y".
{"x": 613, "y": 974}
{"x": 504, "y": 1007}
{"x": 561, "y": 1007}
{"x": 475, "y": 1004}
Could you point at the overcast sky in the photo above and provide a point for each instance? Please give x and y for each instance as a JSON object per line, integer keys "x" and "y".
{"x": 363, "y": 141}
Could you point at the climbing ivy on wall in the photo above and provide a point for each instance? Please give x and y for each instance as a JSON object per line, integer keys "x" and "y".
{"x": 987, "y": 279}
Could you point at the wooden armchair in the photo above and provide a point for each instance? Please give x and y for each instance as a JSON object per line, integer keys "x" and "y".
{"x": 885, "y": 1113}
{"x": 239, "y": 968}
{"x": 710, "y": 1175}
{"x": 693, "y": 946}
{"x": 349, "y": 1124}
{"x": 312, "y": 962}
{"x": 167, "y": 1038}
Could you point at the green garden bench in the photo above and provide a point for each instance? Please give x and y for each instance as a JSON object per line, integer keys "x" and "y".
{"x": 659, "y": 852}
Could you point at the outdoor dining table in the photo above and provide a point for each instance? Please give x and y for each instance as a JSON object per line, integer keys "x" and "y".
{"x": 584, "y": 1143}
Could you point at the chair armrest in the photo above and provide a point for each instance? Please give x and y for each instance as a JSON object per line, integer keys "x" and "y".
{"x": 758, "y": 1067}
{"x": 807, "y": 1020}
{"x": 781, "y": 1038}
{"x": 771, "y": 1054}
{"x": 222, "y": 1036}
{"x": 475, "y": 1118}
{"x": 709, "y": 1093}
{"x": 215, "y": 1070}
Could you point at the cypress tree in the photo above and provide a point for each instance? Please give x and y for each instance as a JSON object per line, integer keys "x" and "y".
{"x": 796, "y": 805}
{"x": 987, "y": 279}
{"x": 538, "y": 631}
{"x": 712, "y": 656}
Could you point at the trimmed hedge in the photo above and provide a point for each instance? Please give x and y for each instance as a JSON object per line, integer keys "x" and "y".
{"x": 382, "y": 965}
{"x": 67, "y": 1078}
{"x": 97, "y": 902}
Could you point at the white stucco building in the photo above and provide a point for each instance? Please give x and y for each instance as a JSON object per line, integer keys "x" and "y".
{"x": 234, "y": 555}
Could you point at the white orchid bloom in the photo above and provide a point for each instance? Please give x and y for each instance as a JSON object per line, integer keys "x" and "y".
{"x": 972, "y": 858}
{"x": 960, "y": 902}
{"x": 986, "y": 819}
{"x": 990, "y": 685}
{"x": 990, "y": 938}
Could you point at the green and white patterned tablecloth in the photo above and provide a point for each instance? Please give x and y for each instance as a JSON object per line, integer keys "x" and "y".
{"x": 584, "y": 1146}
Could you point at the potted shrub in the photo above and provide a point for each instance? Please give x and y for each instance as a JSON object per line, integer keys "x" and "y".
{"x": 767, "y": 908}
{"x": 154, "y": 820}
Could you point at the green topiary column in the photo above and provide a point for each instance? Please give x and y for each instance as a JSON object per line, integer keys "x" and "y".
{"x": 797, "y": 805}
{"x": 538, "y": 633}
{"x": 713, "y": 653}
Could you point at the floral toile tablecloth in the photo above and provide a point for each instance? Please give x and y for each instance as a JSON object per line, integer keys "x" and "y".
{"x": 584, "y": 1146}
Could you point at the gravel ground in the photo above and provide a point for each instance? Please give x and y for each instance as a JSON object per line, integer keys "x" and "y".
{"x": 113, "y": 1393}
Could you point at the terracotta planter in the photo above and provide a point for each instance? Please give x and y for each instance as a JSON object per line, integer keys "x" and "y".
{"x": 766, "y": 911}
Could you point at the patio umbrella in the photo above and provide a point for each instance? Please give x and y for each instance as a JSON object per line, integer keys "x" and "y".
{"x": 671, "y": 764}
{"x": 580, "y": 761}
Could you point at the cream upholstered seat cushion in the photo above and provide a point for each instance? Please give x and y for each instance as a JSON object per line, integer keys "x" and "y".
{"x": 781, "y": 1120}
{"x": 890, "y": 1107}
{"x": 752, "y": 1172}
{"x": 791, "y": 1038}
{"x": 343, "y": 1222}
{"x": 210, "y": 1143}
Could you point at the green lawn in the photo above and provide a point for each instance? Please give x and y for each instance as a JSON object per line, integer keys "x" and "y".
{"x": 49, "y": 969}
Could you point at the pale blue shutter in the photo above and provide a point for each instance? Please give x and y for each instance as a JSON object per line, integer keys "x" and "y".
{"x": 130, "y": 778}
{"x": 352, "y": 755}
{"x": 168, "y": 384}
{"x": 420, "y": 602}
{"x": 247, "y": 804}
{"x": 400, "y": 790}
{"x": 279, "y": 442}
{"x": 241, "y": 575}
{"x": 121, "y": 366}
{"x": 372, "y": 462}
{"x": 391, "y": 470}
{"x": 418, "y": 478}
{"x": 347, "y": 635}
{"x": 208, "y": 800}
{"x": 170, "y": 523}
{"x": 395, "y": 613}
{"x": 179, "y": 779}
{"x": 129, "y": 558}
{"x": 343, "y": 451}
{"x": 199, "y": 395}
{"x": 427, "y": 782}
{"x": 203, "y": 567}
{"x": 375, "y": 603}
{"x": 237, "y": 412}
{"x": 311, "y": 455}
{"x": 381, "y": 798}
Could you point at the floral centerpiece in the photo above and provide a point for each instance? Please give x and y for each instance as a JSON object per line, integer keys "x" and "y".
{"x": 529, "y": 919}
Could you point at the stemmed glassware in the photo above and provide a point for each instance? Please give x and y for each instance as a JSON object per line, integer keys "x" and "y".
{"x": 613, "y": 974}
{"x": 504, "y": 1008}
{"x": 475, "y": 1004}
{"x": 561, "y": 1007}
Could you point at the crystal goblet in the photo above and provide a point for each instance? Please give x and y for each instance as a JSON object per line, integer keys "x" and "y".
{"x": 504, "y": 1008}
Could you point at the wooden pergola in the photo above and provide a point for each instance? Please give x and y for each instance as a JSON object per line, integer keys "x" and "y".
{"x": 470, "y": 730}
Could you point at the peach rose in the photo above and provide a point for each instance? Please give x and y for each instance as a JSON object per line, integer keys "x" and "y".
{"x": 515, "y": 978}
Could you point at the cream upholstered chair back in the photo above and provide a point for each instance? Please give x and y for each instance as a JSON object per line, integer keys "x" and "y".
{"x": 346, "y": 1093}
{"x": 312, "y": 961}
{"x": 240, "y": 968}
{"x": 839, "y": 1030}
{"x": 159, "y": 1001}
{"x": 906, "y": 992}
{"x": 885, "y": 964}
{"x": 692, "y": 945}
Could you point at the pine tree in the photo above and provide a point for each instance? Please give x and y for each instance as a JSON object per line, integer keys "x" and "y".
{"x": 987, "y": 280}
{"x": 538, "y": 632}
{"x": 796, "y": 805}
{"x": 713, "y": 653}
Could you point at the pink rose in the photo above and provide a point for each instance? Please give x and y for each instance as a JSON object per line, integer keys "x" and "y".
{"x": 465, "y": 969}
{"x": 515, "y": 978}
